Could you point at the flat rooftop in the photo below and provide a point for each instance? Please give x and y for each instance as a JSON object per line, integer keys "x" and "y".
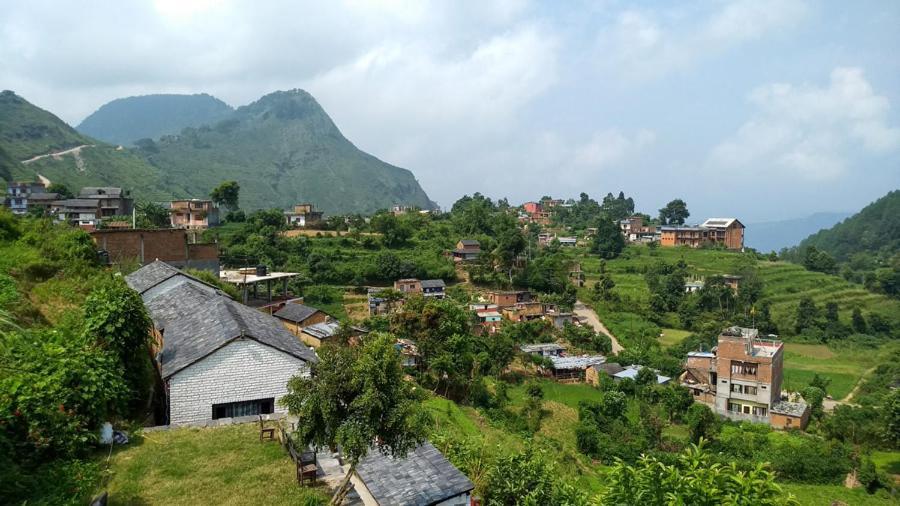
{"x": 237, "y": 278}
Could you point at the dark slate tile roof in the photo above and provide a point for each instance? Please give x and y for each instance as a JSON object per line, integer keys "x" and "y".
{"x": 153, "y": 274}
{"x": 424, "y": 477}
{"x": 433, "y": 283}
{"x": 295, "y": 312}
{"x": 196, "y": 322}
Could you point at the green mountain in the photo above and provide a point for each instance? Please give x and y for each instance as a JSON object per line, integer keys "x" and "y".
{"x": 874, "y": 230}
{"x": 125, "y": 120}
{"x": 27, "y": 130}
{"x": 282, "y": 149}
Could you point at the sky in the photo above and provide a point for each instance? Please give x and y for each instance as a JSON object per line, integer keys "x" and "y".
{"x": 758, "y": 109}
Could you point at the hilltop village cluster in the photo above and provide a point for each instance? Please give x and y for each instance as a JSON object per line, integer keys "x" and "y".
{"x": 222, "y": 359}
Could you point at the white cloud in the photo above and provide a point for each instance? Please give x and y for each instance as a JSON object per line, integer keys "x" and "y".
{"x": 810, "y": 131}
{"x": 646, "y": 44}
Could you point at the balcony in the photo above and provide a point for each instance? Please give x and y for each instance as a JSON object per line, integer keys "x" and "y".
{"x": 742, "y": 417}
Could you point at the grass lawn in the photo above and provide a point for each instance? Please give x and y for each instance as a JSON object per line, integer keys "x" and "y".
{"x": 843, "y": 365}
{"x": 671, "y": 337}
{"x": 823, "y": 495}
{"x": 223, "y": 465}
{"x": 887, "y": 461}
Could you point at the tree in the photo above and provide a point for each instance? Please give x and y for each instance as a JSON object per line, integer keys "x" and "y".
{"x": 61, "y": 189}
{"x": 227, "y": 194}
{"x": 677, "y": 401}
{"x": 819, "y": 261}
{"x": 533, "y": 409}
{"x": 527, "y": 478}
{"x": 675, "y": 213}
{"x": 807, "y": 312}
{"x": 116, "y": 320}
{"x": 695, "y": 478}
{"x": 645, "y": 377}
{"x": 858, "y": 322}
{"x": 609, "y": 242}
{"x": 151, "y": 215}
{"x": 701, "y": 422}
{"x": 356, "y": 398}
{"x": 814, "y": 396}
{"x": 892, "y": 419}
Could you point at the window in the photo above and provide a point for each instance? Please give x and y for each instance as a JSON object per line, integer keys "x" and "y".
{"x": 243, "y": 408}
{"x": 734, "y": 407}
{"x": 788, "y": 421}
{"x": 745, "y": 368}
{"x": 759, "y": 411}
{"x": 746, "y": 410}
{"x": 743, "y": 389}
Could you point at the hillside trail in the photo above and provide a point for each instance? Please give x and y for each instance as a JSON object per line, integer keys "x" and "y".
{"x": 859, "y": 384}
{"x": 586, "y": 312}
{"x": 76, "y": 151}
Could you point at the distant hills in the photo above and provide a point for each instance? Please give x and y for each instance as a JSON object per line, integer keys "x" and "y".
{"x": 775, "y": 235}
{"x": 125, "y": 120}
{"x": 282, "y": 149}
{"x": 875, "y": 230}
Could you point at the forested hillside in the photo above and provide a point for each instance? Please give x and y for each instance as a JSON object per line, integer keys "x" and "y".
{"x": 125, "y": 120}
{"x": 27, "y": 130}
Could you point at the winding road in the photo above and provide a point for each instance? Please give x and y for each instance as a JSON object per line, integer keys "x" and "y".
{"x": 583, "y": 311}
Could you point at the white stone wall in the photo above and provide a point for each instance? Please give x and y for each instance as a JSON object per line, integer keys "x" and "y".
{"x": 244, "y": 370}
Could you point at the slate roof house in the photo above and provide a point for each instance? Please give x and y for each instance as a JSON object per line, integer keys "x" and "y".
{"x": 216, "y": 357}
{"x": 424, "y": 477}
{"x": 466, "y": 249}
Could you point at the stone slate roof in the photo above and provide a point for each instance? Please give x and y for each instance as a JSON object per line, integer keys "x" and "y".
{"x": 155, "y": 273}
{"x": 789, "y": 408}
{"x": 423, "y": 478}
{"x": 80, "y": 202}
{"x": 295, "y": 312}
{"x": 196, "y": 322}
{"x": 433, "y": 283}
{"x": 610, "y": 368}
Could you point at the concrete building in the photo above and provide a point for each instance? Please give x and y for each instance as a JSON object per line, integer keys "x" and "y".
{"x": 113, "y": 201}
{"x": 303, "y": 215}
{"x": 22, "y": 197}
{"x": 741, "y": 379}
{"x": 217, "y": 358}
{"x": 193, "y": 214}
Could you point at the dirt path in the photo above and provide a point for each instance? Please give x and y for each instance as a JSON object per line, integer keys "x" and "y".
{"x": 76, "y": 150}
{"x": 859, "y": 384}
{"x": 584, "y": 311}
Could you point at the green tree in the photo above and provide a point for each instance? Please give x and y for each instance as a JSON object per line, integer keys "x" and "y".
{"x": 701, "y": 421}
{"x": 675, "y": 213}
{"x": 892, "y": 419}
{"x": 677, "y": 401}
{"x": 357, "y": 399}
{"x": 151, "y": 215}
{"x": 695, "y": 478}
{"x": 115, "y": 320}
{"x": 859, "y": 322}
{"x": 528, "y": 478}
{"x": 61, "y": 189}
{"x": 814, "y": 396}
{"x": 227, "y": 194}
{"x": 609, "y": 242}
{"x": 807, "y": 313}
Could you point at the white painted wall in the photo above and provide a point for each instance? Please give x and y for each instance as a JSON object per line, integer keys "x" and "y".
{"x": 243, "y": 370}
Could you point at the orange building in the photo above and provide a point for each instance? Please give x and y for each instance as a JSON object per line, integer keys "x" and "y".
{"x": 741, "y": 380}
{"x": 726, "y": 231}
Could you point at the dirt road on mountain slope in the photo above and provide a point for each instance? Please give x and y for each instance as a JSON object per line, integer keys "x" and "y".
{"x": 76, "y": 150}
{"x": 584, "y": 311}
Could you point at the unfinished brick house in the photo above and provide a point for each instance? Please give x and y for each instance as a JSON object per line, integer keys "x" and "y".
{"x": 741, "y": 380}
{"x": 725, "y": 231}
{"x": 508, "y": 298}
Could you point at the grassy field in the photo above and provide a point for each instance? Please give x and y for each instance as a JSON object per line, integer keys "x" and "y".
{"x": 843, "y": 366}
{"x": 224, "y": 465}
{"x": 671, "y": 337}
{"x": 824, "y": 495}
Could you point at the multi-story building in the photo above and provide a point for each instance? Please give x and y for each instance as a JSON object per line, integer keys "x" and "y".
{"x": 634, "y": 230}
{"x": 84, "y": 213}
{"x": 303, "y": 215}
{"x": 726, "y": 231}
{"x": 24, "y": 196}
{"x": 193, "y": 214}
{"x": 741, "y": 379}
{"x": 466, "y": 249}
{"x": 113, "y": 201}
{"x": 508, "y": 298}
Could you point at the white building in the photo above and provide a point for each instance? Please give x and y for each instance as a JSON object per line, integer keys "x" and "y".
{"x": 217, "y": 357}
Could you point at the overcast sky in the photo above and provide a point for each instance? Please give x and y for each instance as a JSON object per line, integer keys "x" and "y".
{"x": 757, "y": 109}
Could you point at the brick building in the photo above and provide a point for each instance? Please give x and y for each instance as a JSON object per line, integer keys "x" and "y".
{"x": 508, "y": 298}
{"x": 193, "y": 214}
{"x": 741, "y": 379}
{"x": 303, "y": 215}
{"x": 172, "y": 246}
{"x": 728, "y": 232}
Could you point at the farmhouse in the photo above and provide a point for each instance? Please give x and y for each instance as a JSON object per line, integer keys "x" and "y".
{"x": 303, "y": 215}
{"x": 508, "y": 298}
{"x": 217, "y": 358}
{"x": 572, "y": 369}
{"x": 466, "y": 249}
{"x": 295, "y": 317}
{"x": 423, "y": 477}
{"x": 193, "y": 214}
{"x": 728, "y": 232}
{"x": 741, "y": 379}
{"x": 543, "y": 349}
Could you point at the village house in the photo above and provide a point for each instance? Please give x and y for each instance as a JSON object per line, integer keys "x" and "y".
{"x": 173, "y": 246}
{"x": 538, "y": 212}
{"x": 303, "y": 215}
{"x": 543, "y": 349}
{"x": 741, "y": 379}
{"x": 24, "y": 197}
{"x": 466, "y": 250}
{"x": 523, "y": 311}
{"x": 593, "y": 373}
{"x": 83, "y": 213}
{"x": 489, "y": 320}
{"x": 295, "y": 317}
{"x": 508, "y": 298}
{"x": 694, "y": 285}
{"x": 428, "y": 288}
{"x": 409, "y": 352}
{"x": 631, "y": 373}
{"x": 568, "y": 242}
{"x": 316, "y": 334}
{"x": 193, "y": 214}
{"x": 732, "y": 281}
{"x": 217, "y": 358}
{"x": 423, "y": 477}
{"x": 408, "y": 286}
{"x": 379, "y": 303}
{"x": 572, "y": 369}
{"x": 113, "y": 201}
{"x": 728, "y": 232}
{"x": 634, "y": 230}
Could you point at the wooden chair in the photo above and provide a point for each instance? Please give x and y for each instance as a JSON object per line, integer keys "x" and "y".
{"x": 307, "y": 466}
{"x": 265, "y": 433}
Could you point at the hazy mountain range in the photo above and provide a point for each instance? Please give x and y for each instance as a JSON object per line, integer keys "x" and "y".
{"x": 775, "y": 235}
